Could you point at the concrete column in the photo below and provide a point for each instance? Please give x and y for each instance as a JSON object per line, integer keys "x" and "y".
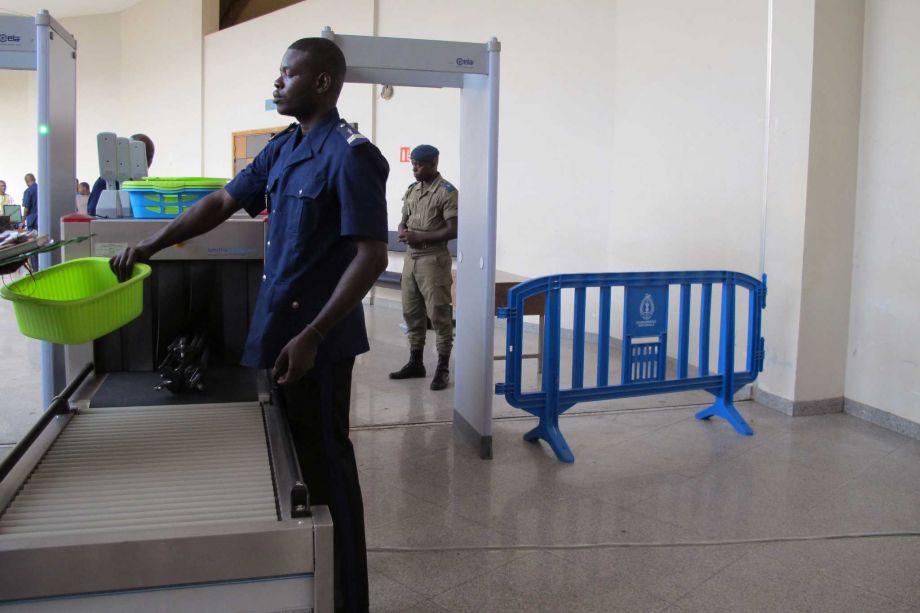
{"x": 811, "y": 196}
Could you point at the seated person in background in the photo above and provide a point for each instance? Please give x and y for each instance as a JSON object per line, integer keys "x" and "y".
{"x": 5, "y": 198}
{"x": 82, "y": 197}
{"x": 99, "y": 185}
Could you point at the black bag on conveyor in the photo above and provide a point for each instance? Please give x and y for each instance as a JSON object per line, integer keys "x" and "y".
{"x": 185, "y": 365}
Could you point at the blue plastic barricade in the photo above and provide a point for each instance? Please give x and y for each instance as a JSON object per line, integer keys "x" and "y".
{"x": 643, "y": 369}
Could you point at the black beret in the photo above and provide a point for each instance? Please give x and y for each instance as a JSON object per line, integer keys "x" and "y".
{"x": 424, "y": 153}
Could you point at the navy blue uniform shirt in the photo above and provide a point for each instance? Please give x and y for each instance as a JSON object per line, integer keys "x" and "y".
{"x": 98, "y": 188}
{"x": 30, "y": 201}
{"x": 321, "y": 188}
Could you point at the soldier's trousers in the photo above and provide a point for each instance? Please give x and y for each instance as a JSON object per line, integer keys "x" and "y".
{"x": 426, "y": 285}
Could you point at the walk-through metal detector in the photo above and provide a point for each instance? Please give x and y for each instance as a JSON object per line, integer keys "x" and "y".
{"x": 474, "y": 69}
{"x": 43, "y": 45}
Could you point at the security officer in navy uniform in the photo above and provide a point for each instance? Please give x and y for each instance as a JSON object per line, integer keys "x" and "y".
{"x": 327, "y": 234}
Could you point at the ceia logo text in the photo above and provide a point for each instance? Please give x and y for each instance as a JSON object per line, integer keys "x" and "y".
{"x": 12, "y": 38}
{"x": 464, "y": 61}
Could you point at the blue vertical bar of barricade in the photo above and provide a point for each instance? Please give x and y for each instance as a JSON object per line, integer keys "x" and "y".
{"x": 578, "y": 340}
{"x": 683, "y": 333}
{"x": 626, "y": 357}
{"x": 551, "y": 334}
{"x": 727, "y": 340}
{"x": 514, "y": 349}
{"x": 751, "y": 331}
{"x": 705, "y": 316}
{"x": 603, "y": 337}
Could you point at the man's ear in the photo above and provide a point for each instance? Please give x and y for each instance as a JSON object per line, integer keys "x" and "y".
{"x": 323, "y": 82}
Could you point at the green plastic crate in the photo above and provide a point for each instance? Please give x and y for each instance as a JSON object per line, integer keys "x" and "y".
{"x": 77, "y": 301}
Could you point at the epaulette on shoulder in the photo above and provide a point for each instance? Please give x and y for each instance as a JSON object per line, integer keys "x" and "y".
{"x": 351, "y": 136}
{"x": 287, "y": 130}
{"x": 413, "y": 184}
{"x": 450, "y": 188}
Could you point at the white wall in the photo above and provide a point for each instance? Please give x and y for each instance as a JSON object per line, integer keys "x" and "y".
{"x": 787, "y": 189}
{"x": 828, "y": 239}
{"x": 19, "y": 146}
{"x": 883, "y": 369}
{"x": 162, "y": 81}
{"x": 137, "y": 71}
{"x": 99, "y": 96}
{"x": 241, "y": 65}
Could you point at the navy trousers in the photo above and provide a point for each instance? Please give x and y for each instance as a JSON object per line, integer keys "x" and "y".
{"x": 317, "y": 409}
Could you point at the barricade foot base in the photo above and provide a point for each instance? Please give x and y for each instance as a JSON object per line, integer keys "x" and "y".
{"x": 554, "y": 439}
{"x": 728, "y": 412}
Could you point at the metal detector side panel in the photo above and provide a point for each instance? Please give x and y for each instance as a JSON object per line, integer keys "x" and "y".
{"x": 56, "y": 65}
{"x": 476, "y": 256}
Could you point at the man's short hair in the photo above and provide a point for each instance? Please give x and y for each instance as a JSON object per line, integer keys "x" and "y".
{"x": 148, "y": 145}
{"x": 326, "y": 55}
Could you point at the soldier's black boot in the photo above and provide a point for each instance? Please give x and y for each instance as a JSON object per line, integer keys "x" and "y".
{"x": 441, "y": 373}
{"x": 413, "y": 369}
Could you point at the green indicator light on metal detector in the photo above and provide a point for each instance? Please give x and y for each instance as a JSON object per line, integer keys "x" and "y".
{"x": 43, "y": 129}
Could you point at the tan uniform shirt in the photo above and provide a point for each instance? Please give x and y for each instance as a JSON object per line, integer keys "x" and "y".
{"x": 426, "y": 207}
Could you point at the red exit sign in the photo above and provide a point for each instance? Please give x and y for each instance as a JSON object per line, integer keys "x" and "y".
{"x": 404, "y": 155}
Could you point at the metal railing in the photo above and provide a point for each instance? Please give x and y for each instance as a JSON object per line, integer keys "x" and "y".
{"x": 643, "y": 368}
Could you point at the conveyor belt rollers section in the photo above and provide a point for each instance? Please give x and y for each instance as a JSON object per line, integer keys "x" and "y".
{"x": 143, "y": 467}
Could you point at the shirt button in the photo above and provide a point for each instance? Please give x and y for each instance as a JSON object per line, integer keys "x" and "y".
{"x": 268, "y": 243}
{"x": 264, "y": 277}
{"x": 300, "y": 192}
{"x": 295, "y": 305}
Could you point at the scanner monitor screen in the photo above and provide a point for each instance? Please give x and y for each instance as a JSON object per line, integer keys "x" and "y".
{"x": 13, "y": 212}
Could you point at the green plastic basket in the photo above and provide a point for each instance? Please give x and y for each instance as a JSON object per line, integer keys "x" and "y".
{"x": 77, "y": 301}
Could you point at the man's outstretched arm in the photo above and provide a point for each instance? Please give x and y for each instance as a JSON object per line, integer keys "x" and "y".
{"x": 204, "y": 216}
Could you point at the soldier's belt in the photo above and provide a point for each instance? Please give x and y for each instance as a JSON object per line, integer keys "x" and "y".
{"x": 428, "y": 245}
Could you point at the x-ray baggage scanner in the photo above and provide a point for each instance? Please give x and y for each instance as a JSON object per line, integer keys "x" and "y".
{"x": 473, "y": 68}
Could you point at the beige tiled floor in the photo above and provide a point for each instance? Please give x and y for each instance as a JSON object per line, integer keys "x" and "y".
{"x": 647, "y": 475}
{"x": 645, "y": 471}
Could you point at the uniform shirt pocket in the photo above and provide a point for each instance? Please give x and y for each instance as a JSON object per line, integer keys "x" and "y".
{"x": 304, "y": 200}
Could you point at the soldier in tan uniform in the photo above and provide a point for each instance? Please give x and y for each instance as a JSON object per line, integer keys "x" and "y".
{"x": 429, "y": 220}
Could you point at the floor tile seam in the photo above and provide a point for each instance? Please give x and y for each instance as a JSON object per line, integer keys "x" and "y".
{"x": 823, "y": 475}
{"x": 384, "y": 525}
{"x": 702, "y": 585}
{"x": 883, "y": 461}
{"x": 415, "y": 500}
{"x": 498, "y": 569}
{"x": 695, "y": 534}
{"x": 422, "y": 596}
{"x": 479, "y": 574}
{"x": 851, "y": 581}
{"x": 632, "y": 583}
{"x": 719, "y": 458}
{"x": 814, "y": 574}
{"x": 636, "y": 503}
{"x": 834, "y": 491}
{"x": 476, "y": 522}
{"x": 407, "y": 515}
{"x": 827, "y": 463}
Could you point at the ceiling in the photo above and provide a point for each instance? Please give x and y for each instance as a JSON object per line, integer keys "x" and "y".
{"x": 64, "y": 8}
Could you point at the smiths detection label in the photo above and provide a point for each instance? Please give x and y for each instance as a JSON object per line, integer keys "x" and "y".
{"x": 646, "y": 310}
{"x": 108, "y": 250}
